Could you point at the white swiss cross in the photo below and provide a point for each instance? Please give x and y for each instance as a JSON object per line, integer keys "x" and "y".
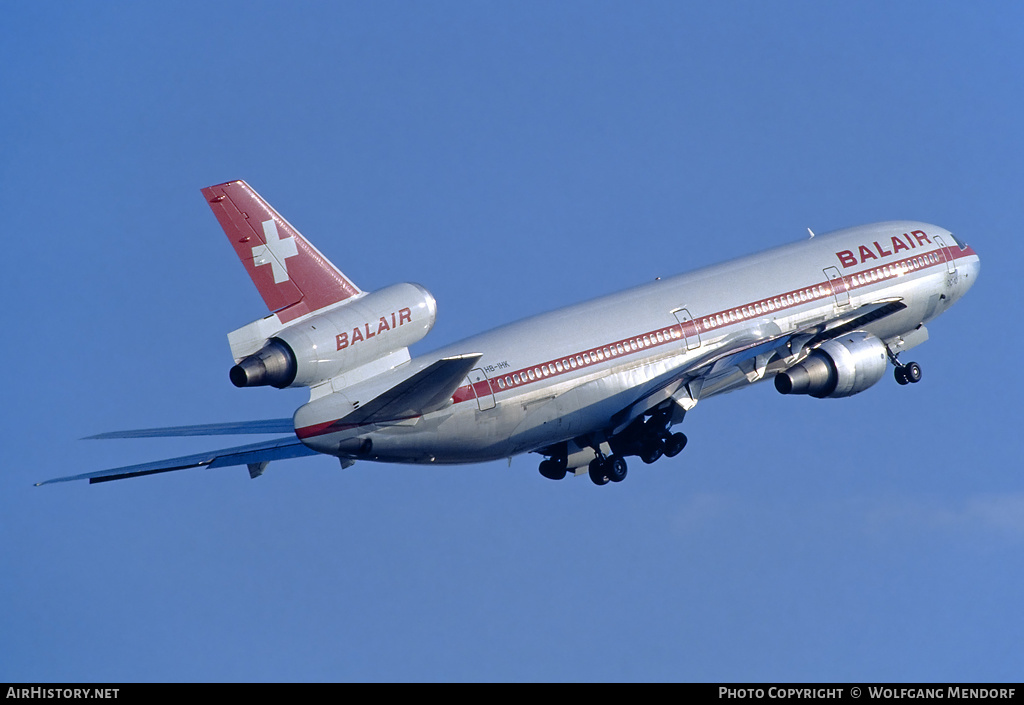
{"x": 276, "y": 251}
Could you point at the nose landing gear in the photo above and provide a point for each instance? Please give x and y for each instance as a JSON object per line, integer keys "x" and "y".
{"x": 909, "y": 373}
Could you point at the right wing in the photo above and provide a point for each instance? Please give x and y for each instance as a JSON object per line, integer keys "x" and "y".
{"x": 210, "y": 429}
{"x": 426, "y": 390}
{"x": 255, "y": 455}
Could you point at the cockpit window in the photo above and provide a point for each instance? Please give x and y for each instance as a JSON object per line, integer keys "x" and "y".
{"x": 963, "y": 245}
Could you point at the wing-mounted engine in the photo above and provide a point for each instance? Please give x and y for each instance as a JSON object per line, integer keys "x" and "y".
{"x": 840, "y": 367}
{"x": 332, "y": 341}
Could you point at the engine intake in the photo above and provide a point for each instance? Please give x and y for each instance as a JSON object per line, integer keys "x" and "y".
{"x": 841, "y": 367}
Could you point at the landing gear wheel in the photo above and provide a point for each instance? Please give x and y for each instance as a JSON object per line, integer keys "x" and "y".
{"x": 901, "y": 375}
{"x": 675, "y": 444}
{"x": 909, "y": 373}
{"x": 652, "y": 451}
{"x": 552, "y": 469}
{"x": 597, "y": 472}
{"x": 912, "y": 371}
{"x": 615, "y": 468}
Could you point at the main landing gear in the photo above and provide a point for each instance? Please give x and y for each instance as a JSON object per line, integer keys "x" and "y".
{"x": 605, "y": 470}
{"x": 909, "y": 373}
{"x": 649, "y": 440}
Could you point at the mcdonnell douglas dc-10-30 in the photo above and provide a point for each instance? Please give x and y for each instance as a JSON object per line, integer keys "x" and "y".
{"x": 584, "y": 386}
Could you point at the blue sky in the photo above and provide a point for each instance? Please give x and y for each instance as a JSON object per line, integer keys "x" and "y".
{"x": 512, "y": 158}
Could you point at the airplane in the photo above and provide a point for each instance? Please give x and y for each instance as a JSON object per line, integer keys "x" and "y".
{"x": 584, "y": 386}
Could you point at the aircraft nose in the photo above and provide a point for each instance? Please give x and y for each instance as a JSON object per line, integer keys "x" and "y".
{"x": 969, "y": 271}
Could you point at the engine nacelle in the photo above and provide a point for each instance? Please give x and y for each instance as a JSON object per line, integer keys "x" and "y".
{"x": 841, "y": 367}
{"x": 340, "y": 339}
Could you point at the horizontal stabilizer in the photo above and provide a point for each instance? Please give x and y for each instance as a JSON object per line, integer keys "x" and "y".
{"x": 256, "y": 453}
{"x": 212, "y": 429}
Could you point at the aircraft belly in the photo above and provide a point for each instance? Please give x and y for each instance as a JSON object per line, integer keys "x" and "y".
{"x": 519, "y": 424}
{"x": 458, "y": 434}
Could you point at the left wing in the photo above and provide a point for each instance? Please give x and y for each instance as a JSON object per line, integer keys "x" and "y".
{"x": 428, "y": 390}
{"x": 425, "y": 390}
{"x": 255, "y": 455}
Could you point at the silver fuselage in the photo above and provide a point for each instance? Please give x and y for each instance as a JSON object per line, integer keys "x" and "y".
{"x": 570, "y": 373}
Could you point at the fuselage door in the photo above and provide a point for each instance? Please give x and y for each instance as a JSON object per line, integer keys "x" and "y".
{"x": 481, "y": 388}
{"x": 839, "y": 289}
{"x": 686, "y": 324}
{"x": 944, "y": 253}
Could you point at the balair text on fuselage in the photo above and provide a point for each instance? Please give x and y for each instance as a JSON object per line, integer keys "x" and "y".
{"x": 849, "y": 259}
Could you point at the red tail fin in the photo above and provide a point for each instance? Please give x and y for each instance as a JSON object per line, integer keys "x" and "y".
{"x": 291, "y": 275}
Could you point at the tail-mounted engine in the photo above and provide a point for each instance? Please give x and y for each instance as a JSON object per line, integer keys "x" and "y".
{"x": 841, "y": 367}
{"x": 339, "y": 339}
